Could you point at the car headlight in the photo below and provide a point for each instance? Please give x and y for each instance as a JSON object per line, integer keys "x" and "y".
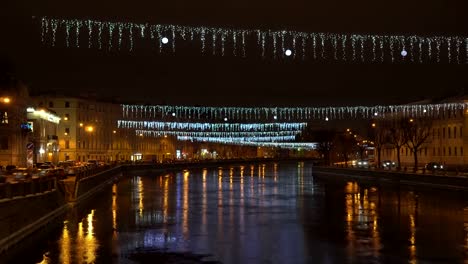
{"x": 359, "y": 163}
{"x": 441, "y": 166}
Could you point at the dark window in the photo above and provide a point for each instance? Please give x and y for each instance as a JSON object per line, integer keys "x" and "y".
{"x": 449, "y": 131}
{"x": 443, "y": 132}
{"x": 461, "y": 151}
{"x": 51, "y": 104}
{"x": 455, "y": 132}
{"x": 425, "y": 151}
{"x": 4, "y": 142}
{"x": 67, "y": 104}
{"x": 461, "y": 131}
{"x": 433, "y": 151}
{"x": 433, "y": 133}
{"x": 443, "y": 149}
{"x": 454, "y": 151}
{"x": 67, "y": 144}
{"x": 67, "y": 130}
{"x": 449, "y": 151}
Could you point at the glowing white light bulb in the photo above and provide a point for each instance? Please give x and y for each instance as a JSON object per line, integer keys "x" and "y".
{"x": 225, "y": 119}
{"x": 173, "y": 114}
{"x": 275, "y": 117}
{"x": 404, "y": 53}
{"x": 376, "y": 114}
{"x": 326, "y": 118}
{"x": 164, "y": 40}
{"x": 288, "y": 52}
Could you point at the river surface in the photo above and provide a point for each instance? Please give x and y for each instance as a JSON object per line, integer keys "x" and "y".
{"x": 263, "y": 213}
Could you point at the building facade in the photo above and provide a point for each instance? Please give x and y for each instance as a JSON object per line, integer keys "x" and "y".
{"x": 43, "y": 141}
{"x": 14, "y": 98}
{"x": 447, "y": 142}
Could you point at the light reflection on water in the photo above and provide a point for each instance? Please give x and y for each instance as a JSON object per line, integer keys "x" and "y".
{"x": 266, "y": 213}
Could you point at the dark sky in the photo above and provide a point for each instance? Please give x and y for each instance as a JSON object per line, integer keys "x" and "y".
{"x": 190, "y": 78}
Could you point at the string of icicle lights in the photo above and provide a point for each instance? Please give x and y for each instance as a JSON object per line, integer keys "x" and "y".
{"x": 160, "y": 133}
{"x": 288, "y": 145}
{"x": 269, "y": 43}
{"x": 238, "y": 139}
{"x": 214, "y": 127}
{"x": 284, "y": 113}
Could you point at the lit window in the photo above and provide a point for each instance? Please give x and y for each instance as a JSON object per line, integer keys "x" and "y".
{"x": 4, "y": 117}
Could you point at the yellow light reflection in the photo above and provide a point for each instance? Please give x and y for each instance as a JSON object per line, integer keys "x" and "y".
{"x": 140, "y": 196}
{"x": 412, "y": 248}
{"x": 185, "y": 204}
{"x": 114, "y": 207}
{"x": 361, "y": 213}
{"x": 86, "y": 243}
{"x": 252, "y": 168}
{"x": 90, "y": 240}
{"x": 165, "y": 198}
{"x": 205, "y": 200}
{"x": 231, "y": 175}
{"x": 220, "y": 202}
{"x": 275, "y": 172}
{"x": 65, "y": 256}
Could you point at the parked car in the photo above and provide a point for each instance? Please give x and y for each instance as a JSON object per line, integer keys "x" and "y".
{"x": 21, "y": 174}
{"x": 388, "y": 164}
{"x": 434, "y": 166}
{"x": 363, "y": 164}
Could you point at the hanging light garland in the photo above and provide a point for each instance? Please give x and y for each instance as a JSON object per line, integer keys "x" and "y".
{"x": 161, "y": 133}
{"x": 214, "y": 127}
{"x": 286, "y": 145}
{"x": 238, "y": 139}
{"x": 355, "y": 48}
{"x": 158, "y": 112}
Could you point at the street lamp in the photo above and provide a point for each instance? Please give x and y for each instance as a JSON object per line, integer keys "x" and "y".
{"x": 5, "y": 100}
{"x": 89, "y": 129}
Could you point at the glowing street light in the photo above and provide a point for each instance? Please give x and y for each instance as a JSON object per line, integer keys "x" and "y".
{"x": 373, "y": 124}
{"x": 5, "y": 100}
{"x": 89, "y": 129}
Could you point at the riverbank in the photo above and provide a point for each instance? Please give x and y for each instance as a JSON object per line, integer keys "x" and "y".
{"x": 430, "y": 180}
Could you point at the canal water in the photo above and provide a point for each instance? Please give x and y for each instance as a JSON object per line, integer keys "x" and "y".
{"x": 262, "y": 213}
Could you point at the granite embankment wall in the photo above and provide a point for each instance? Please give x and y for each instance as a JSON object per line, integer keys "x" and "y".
{"x": 27, "y": 206}
{"x": 439, "y": 181}
{"x": 21, "y": 215}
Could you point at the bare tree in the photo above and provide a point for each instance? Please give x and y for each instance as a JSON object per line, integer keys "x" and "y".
{"x": 397, "y": 137}
{"x": 416, "y": 133}
{"x": 325, "y": 145}
{"x": 381, "y": 133}
{"x": 345, "y": 144}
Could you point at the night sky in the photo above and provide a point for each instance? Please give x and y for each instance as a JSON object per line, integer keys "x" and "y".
{"x": 192, "y": 79}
